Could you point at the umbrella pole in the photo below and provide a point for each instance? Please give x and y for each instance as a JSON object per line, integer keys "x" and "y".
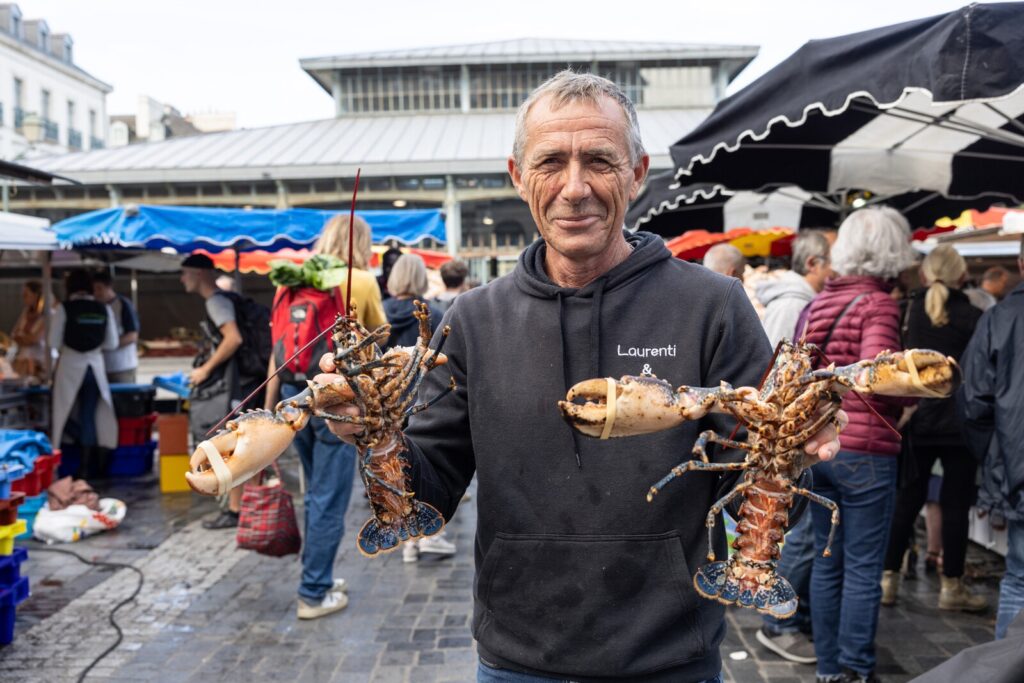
{"x": 238, "y": 270}
{"x": 47, "y": 312}
{"x": 135, "y": 289}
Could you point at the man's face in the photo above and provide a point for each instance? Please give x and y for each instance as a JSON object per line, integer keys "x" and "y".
{"x": 102, "y": 291}
{"x": 190, "y": 278}
{"x": 819, "y": 269}
{"x": 576, "y": 175}
{"x": 997, "y": 286}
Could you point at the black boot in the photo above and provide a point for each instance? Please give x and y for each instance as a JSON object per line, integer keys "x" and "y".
{"x": 101, "y": 458}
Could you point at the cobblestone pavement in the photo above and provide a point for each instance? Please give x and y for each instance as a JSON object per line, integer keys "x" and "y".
{"x": 209, "y": 612}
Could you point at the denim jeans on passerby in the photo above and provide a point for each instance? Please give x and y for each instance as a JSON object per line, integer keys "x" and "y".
{"x": 795, "y": 566}
{"x": 1011, "y": 589}
{"x": 846, "y": 588}
{"x": 487, "y": 674}
{"x": 328, "y": 466}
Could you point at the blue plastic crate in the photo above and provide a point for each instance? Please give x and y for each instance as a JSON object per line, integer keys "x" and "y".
{"x": 28, "y": 511}
{"x": 9, "y": 472}
{"x": 131, "y": 461}
{"x": 10, "y": 598}
{"x": 10, "y": 567}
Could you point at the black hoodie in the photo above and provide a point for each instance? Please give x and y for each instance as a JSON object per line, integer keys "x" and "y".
{"x": 577, "y": 575}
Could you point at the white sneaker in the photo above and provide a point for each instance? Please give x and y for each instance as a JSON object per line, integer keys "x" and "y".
{"x": 340, "y": 586}
{"x": 410, "y": 553}
{"x": 334, "y": 601}
{"x": 437, "y": 545}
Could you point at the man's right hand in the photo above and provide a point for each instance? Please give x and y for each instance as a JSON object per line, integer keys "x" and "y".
{"x": 343, "y": 430}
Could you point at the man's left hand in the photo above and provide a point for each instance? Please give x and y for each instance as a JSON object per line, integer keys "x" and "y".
{"x": 825, "y": 444}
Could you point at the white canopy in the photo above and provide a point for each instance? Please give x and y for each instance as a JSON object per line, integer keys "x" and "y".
{"x": 26, "y": 233}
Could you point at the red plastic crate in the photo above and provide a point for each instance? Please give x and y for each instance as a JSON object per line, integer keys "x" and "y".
{"x": 47, "y": 465}
{"x": 135, "y": 431}
{"x": 30, "y": 484}
{"x": 9, "y": 508}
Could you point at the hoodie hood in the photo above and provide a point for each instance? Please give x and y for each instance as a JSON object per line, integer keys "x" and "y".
{"x": 532, "y": 279}
{"x": 786, "y": 284}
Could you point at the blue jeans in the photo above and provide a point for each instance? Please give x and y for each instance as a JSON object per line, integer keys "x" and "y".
{"x": 846, "y": 588}
{"x": 329, "y": 468}
{"x": 1011, "y": 590}
{"x": 795, "y": 567}
{"x": 487, "y": 674}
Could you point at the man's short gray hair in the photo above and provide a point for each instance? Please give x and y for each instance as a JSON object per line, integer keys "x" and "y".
{"x": 807, "y": 245}
{"x": 873, "y": 241}
{"x": 568, "y": 86}
{"x": 725, "y": 259}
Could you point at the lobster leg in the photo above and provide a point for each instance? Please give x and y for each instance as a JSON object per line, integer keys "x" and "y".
{"x": 423, "y": 406}
{"x": 697, "y": 465}
{"x": 710, "y": 436}
{"x": 811, "y": 429}
{"x": 717, "y": 508}
{"x": 379, "y": 335}
{"x": 347, "y": 419}
{"x": 437, "y": 352}
{"x": 824, "y": 502}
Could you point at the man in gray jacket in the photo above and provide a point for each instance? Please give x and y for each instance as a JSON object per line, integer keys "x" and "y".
{"x": 577, "y": 576}
{"x": 785, "y": 296}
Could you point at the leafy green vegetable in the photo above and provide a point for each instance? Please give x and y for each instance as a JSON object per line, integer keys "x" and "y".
{"x": 320, "y": 271}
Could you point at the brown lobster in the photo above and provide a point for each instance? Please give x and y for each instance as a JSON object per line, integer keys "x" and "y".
{"x": 780, "y": 417}
{"x": 384, "y": 387}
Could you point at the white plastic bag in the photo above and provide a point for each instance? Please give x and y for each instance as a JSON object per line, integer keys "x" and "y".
{"x": 77, "y": 521}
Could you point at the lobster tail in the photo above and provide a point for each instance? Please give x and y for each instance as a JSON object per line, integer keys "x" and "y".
{"x": 716, "y": 582}
{"x": 376, "y": 537}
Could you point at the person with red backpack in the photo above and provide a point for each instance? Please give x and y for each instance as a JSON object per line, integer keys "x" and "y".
{"x": 306, "y": 303}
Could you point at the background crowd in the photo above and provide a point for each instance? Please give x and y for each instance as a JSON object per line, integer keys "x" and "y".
{"x": 854, "y": 293}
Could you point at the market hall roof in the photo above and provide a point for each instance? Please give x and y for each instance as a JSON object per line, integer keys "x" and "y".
{"x": 523, "y": 50}
{"x": 383, "y": 145}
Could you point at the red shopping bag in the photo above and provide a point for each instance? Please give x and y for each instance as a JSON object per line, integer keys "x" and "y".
{"x": 266, "y": 522}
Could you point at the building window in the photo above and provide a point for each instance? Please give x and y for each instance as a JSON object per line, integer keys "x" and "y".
{"x": 19, "y": 93}
{"x": 44, "y": 104}
{"x": 15, "y": 21}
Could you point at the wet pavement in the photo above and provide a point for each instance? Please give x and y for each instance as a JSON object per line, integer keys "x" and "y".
{"x": 210, "y": 612}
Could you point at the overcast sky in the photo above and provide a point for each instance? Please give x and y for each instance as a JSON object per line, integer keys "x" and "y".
{"x": 243, "y": 55}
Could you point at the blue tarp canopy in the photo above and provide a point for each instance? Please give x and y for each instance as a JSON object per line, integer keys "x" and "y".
{"x": 187, "y": 228}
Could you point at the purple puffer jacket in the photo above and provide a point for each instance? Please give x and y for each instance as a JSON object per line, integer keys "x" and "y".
{"x": 869, "y": 326}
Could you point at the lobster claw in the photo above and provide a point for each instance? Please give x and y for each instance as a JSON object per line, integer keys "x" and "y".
{"x": 625, "y": 407}
{"x": 250, "y": 443}
{"x": 915, "y": 372}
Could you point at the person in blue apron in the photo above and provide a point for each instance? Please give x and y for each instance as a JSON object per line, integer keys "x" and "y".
{"x": 83, "y": 411}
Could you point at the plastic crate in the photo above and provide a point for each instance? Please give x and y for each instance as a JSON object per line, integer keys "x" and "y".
{"x": 10, "y": 567}
{"x": 30, "y": 484}
{"x": 132, "y": 400}
{"x": 9, "y": 473}
{"x": 10, "y": 598}
{"x": 28, "y": 511}
{"x": 131, "y": 461}
{"x": 173, "y": 433}
{"x": 172, "y": 473}
{"x": 7, "y": 534}
{"x": 135, "y": 431}
{"x": 9, "y": 507}
{"x": 47, "y": 466}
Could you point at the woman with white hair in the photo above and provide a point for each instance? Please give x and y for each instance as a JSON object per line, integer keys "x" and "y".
{"x": 854, "y": 317}
{"x": 939, "y": 317}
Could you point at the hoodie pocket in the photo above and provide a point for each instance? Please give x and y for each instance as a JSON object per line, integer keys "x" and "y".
{"x": 589, "y": 605}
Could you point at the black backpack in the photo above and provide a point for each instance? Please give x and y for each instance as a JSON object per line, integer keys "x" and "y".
{"x": 253, "y": 320}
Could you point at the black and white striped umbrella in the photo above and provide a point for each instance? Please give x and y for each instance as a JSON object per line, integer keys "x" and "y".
{"x": 933, "y": 106}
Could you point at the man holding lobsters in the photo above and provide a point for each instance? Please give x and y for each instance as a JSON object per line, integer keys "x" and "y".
{"x": 577, "y": 576}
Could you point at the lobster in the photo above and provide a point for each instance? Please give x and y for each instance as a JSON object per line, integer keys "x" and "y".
{"x": 384, "y": 386}
{"x": 794, "y": 402}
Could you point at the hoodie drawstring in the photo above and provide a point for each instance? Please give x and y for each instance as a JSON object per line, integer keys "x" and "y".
{"x": 595, "y": 348}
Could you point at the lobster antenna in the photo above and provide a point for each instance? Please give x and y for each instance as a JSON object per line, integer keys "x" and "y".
{"x": 760, "y": 386}
{"x": 351, "y": 233}
{"x": 272, "y": 376}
